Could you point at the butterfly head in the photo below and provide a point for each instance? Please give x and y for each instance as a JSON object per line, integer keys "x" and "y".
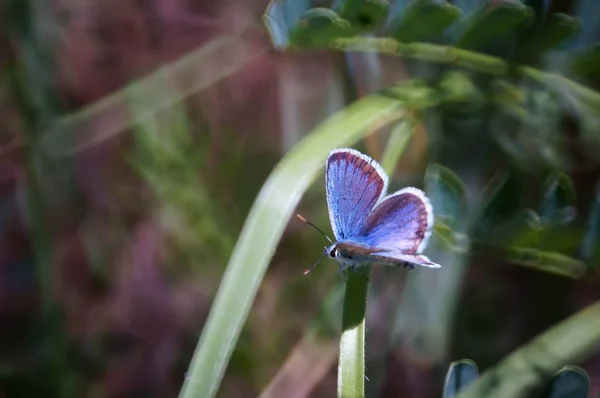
{"x": 332, "y": 251}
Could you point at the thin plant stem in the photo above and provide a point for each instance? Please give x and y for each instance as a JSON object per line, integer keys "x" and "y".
{"x": 460, "y": 57}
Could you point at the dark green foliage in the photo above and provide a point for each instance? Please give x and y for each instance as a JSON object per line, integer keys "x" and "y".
{"x": 522, "y": 32}
{"x": 493, "y": 23}
{"x": 545, "y": 35}
{"x": 422, "y": 21}
{"x": 362, "y": 14}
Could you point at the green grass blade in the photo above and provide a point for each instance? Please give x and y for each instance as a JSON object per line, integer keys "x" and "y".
{"x": 261, "y": 233}
{"x": 399, "y": 138}
{"x": 351, "y": 366}
{"x": 571, "y": 341}
{"x": 191, "y": 74}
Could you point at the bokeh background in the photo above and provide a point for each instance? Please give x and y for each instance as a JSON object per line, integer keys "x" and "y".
{"x": 135, "y": 136}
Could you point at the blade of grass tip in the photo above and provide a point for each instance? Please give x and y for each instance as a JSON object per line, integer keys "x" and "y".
{"x": 571, "y": 341}
{"x": 262, "y": 230}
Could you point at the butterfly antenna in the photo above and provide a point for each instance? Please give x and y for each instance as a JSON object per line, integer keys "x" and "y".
{"x": 313, "y": 266}
{"x": 315, "y": 227}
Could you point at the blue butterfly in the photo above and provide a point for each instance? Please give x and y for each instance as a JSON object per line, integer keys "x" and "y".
{"x": 370, "y": 226}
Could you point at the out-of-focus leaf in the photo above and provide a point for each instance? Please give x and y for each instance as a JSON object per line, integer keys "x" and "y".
{"x": 457, "y": 88}
{"x": 586, "y": 62}
{"x": 501, "y": 201}
{"x": 460, "y": 374}
{"x": 545, "y": 36}
{"x": 590, "y": 246}
{"x": 447, "y": 194}
{"x": 399, "y": 138}
{"x": 292, "y": 24}
{"x": 317, "y": 27}
{"x": 424, "y": 20}
{"x": 534, "y": 235}
{"x": 558, "y": 201}
{"x": 262, "y": 230}
{"x": 362, "y": 14}
{"x": 413, "y": 94}
{"x": 570, "y": 382}
{"x": 554, "y": 263}
{"x": 493, "y": 21}
{"x": 571, "y": 341}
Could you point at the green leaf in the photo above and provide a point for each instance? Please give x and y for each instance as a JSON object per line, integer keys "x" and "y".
{"x": 570, "y": 382}
{"x": 501, "y": 201}
{"x": 262, "y": 230}
{"x": 362, "y": 14}
{"x": 460, "y": 374}
{"x": 586, "y": 62}
{"x": 447, "y": 193}
{"x": 457, "y": 88}
{"x": 293, "y": 24}
{"x": 558, "y": 202}
{"x": 551, "y": 262}
{"x": 424, "y": 20}
{"x": 571, "y": 341}
{"x": 545, "y": 36}
{"x": 493, "y": 22}
{"x": 317, "y": 27}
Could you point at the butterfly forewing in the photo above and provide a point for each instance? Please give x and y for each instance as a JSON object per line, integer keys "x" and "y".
{"x": 354, "y": 184}
{"x": 401, "y": 223}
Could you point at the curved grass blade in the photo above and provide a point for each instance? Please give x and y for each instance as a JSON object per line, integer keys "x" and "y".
{"x": 263, "y": 228}
{"x": 571, "y": 341}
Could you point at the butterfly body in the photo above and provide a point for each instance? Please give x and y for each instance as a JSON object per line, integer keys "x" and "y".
{"x": 370, "y": 226}
{"x": 351, "y": 255}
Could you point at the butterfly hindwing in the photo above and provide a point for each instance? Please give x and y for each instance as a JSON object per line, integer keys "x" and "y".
{"x": 402, "y": 259}
{"x": 354, "y": 183}
{"x": 401, "y": 223}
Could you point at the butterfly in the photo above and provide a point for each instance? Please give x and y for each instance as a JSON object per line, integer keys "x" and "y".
{"x": 370, "y": 226}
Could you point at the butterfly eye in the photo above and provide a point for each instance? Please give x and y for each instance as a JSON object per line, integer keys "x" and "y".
{"x": 333, "y": 252}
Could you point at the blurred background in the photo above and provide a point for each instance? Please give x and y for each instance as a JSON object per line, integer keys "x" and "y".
{"x": 134, "y": 138}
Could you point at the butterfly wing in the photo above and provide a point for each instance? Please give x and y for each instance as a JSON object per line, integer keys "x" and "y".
{"x": 402, "y": 259}
{"x": 400, "y": 224}
{"x": 354, "y": 184}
